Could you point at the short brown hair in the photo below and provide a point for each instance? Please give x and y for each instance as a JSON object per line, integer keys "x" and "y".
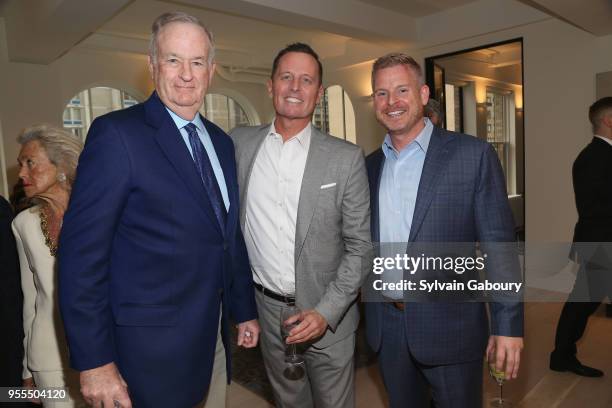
{"x": 598, "y": 110}
{"x": 397, "y": 58}
{"x": 297, "y": 47}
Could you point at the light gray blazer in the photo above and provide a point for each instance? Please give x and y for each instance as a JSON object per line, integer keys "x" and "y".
{"x": 332, "y": 238}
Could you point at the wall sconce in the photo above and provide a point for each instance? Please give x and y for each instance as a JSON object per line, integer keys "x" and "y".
{"x": 480, "y": 92}
{"x": 518, "y": 97}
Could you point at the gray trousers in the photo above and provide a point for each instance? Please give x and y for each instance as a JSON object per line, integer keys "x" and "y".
{"x": 329, "y": 379}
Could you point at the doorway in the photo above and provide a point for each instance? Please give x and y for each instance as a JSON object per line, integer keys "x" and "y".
{"x": 480, "y": 92}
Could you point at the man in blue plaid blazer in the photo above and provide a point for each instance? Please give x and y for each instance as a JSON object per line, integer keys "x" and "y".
{"x": 431, "y": 185}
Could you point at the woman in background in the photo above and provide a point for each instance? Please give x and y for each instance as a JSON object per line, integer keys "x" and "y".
{"x": 47, "y": 168}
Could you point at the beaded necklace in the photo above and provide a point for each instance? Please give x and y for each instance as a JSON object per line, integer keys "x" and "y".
{"x": 44, "y": 226}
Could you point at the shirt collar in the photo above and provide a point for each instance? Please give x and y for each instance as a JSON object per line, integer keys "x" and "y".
{"x": 303, "y": 136}
{"x": 181, "y": 123}
{"x": 421, "y": 141}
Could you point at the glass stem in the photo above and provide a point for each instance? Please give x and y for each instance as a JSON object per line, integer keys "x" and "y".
{"x": 501, "y": 392}
{"x": 293, "y": 351}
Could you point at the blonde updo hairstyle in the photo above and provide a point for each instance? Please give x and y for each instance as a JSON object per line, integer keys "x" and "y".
{"x": 62, "y": 147}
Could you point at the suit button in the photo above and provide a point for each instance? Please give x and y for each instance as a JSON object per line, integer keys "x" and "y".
{"x": 221, "y": 291}
{"x": 225, "y": 246}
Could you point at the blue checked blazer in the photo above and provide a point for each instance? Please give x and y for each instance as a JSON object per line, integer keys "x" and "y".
{"x": 461, "y": 198}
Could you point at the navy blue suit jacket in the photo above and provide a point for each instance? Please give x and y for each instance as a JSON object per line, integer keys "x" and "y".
{"x": 145, "y": 269}
{"x": 461, "y": 198}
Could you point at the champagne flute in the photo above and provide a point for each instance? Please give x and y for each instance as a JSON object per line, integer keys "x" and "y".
{"x": 499, "y": 376}
{"x": 295, "y": 362}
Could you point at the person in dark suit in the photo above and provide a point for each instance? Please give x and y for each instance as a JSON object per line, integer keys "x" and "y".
{"x": 11, "y": 298}
{"x": 592, "y": 177}
{"x": 431, "y": 185}
{"x": 151, "y": 258}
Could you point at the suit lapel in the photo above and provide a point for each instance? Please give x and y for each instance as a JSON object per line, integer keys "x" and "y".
{"x": 435, "y": 160}
{"x": 316, "y": 167}
{"x": 249, "y": 152}
{"x": 171, "y": 143}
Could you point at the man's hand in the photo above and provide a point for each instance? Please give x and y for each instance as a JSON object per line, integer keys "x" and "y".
{"x": 29, "y": 383}
{"x": 312, "y": 325}
{"x": 104, "y": 387}
{"x": 248, "y": 333}
{"x": 503, "y": 349}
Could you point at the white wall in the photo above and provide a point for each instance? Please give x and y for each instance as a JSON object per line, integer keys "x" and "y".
{"x": 356, "y": 83}
{"x": 603, "y": 55}
{"x": 560, "y": 62}
{"x": 604, "y": 66}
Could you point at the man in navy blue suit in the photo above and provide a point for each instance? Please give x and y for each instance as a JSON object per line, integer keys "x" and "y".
{"x": 429, "y": 185}
{"x": 152, "y": 261}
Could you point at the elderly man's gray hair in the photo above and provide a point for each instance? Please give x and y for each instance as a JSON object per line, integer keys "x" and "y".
{"x": 178, "y": 17}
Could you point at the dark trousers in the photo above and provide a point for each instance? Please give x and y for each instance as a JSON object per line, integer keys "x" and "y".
{"x": 412, "y": 384}
{"x": 591, "y": 287}
{"x": 571, "y": 326}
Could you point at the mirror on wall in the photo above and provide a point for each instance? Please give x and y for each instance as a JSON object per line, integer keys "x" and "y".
{"x": 480, "y": 93}
{"x": 335, "y": 114}
{"x": 224, "y": 111}
{"x": 90, "y": 103}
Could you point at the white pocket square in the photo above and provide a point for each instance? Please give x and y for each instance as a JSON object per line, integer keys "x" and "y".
{"x": 327, "y": 185}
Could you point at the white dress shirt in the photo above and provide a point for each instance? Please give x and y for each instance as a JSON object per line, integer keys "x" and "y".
{"x": 271, "y": 209}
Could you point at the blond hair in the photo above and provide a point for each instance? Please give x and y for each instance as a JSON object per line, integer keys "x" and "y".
{"x": 62, "y": 147}
{"x": 398, "y": 58}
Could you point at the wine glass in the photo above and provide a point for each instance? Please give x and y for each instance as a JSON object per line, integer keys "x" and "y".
{"x": 295, "y": 361}
{"x": 499, "y": 376}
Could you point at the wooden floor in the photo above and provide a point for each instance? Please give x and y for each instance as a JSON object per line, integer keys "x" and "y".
{"x": 537, "y": 386}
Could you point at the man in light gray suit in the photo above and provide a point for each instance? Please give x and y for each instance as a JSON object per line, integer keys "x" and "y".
{"x": 305, "y": 216}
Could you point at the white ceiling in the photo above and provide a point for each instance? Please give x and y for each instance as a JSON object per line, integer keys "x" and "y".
{"x": 593, "y": 16}
{"x": 249, "y": 32}
{"x": 417, "y": 8}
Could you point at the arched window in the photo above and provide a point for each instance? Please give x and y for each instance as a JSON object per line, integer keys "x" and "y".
{"x": 224, "y": 112}
{"x": 335, "y": 114}
{"x": 87, "y": 105}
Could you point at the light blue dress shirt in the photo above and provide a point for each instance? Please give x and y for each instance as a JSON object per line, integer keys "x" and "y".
{"x": 397, "y": 194}
{"x": 208, "y": 146}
